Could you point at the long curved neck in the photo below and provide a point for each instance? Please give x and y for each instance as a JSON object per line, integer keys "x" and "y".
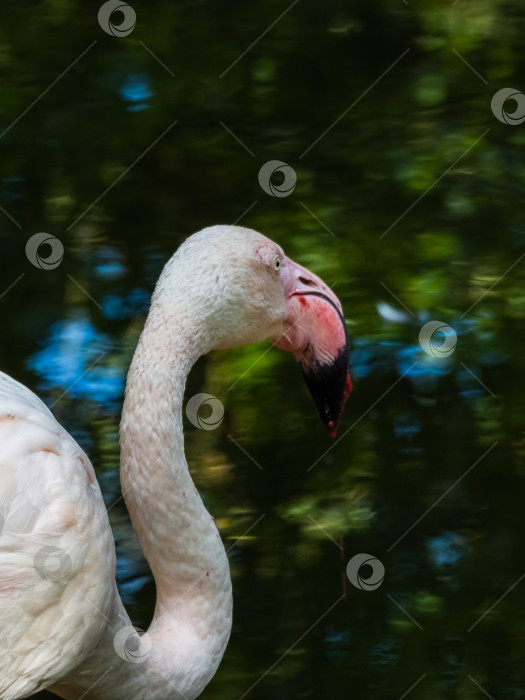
{"x": 192, "y": 619}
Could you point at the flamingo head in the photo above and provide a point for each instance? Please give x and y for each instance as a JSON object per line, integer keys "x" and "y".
{"x": 314, "y": 331}
{"x": 253, "y": 291}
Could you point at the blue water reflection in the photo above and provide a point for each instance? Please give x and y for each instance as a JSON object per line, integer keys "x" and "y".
{"x": 75, "y": 359}
{"x": 136, "y": 90}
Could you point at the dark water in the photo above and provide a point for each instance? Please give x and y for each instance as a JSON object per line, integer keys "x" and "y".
{"x": 409, "y": 200}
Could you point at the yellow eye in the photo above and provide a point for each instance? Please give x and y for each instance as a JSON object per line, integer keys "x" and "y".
{"x": 277, "y": 263}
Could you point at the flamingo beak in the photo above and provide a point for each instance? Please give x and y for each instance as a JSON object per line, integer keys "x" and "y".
{"x": 315, "y": 332}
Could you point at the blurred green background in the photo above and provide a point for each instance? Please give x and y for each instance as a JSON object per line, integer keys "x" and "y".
{"x": 412, "y": 148}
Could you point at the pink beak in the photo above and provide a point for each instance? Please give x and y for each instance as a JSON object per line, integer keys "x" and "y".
{"x": 315, "y": 332}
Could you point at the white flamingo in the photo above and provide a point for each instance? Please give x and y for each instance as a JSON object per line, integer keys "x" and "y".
{"x": 62, "y": 623}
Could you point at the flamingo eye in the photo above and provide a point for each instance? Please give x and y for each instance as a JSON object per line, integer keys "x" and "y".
{"x": 277, "y": 263}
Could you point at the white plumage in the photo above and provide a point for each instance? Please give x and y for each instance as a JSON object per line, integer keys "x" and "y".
{"x": 54, "y": 528}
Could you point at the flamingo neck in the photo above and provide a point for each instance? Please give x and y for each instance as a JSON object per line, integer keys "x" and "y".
{"x": 192, "y": 620}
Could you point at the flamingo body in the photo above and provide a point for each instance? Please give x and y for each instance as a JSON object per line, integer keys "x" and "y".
{"x": 54, "y": 530}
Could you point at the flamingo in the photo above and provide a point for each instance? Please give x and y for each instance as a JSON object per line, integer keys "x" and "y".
{"x": 63, "y": 625}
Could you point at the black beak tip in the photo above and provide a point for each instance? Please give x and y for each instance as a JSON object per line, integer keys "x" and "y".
{"x": 330, "y": 386}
